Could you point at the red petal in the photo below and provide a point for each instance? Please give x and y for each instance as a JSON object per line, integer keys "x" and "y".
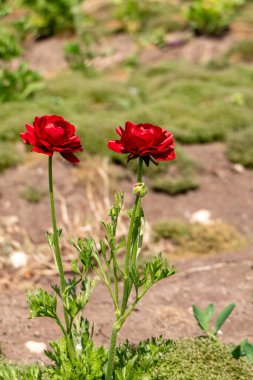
{"x": 70, "y": 157}
{"x": 116, "y": 146}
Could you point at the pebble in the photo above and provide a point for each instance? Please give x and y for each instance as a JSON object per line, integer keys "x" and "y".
{"x": 18, "y": 259}
{"x": 36, "y": 347}
{"x": 238, "y": 168}
{"x": 201, "y": 216}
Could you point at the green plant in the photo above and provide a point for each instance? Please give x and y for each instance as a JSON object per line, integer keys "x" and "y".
{"x": 203, "y": 318}
{"x": 19, "y": 84}
{"x": 211, "y": 17}
{"x": 4, "y": 8}
{"x": 240, "y": 147}
{"x": 89, "y": 363}
{"x": 32, "y": 194}
{"x": 132, "y": 13}
{"x": 243, "y": 349}
{"x": 78, "y": 55}
{"x": 8, "y": 45}
{"x": 50, "y": 17}
{"x": 104, "y": 264}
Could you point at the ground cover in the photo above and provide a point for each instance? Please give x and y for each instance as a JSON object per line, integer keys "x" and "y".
{"x": 150, "y": 360}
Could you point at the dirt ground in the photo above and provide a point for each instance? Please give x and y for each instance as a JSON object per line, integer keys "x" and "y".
{"x": 225, "y": 190}
{"x": 219, "y": 279}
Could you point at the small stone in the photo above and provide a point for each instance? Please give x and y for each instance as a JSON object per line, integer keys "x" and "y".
{"x": 36, "y": 347}
{"x": 238, "y": 168}
{"x": 18, "y": 259}
{"x": 201, "y": 216}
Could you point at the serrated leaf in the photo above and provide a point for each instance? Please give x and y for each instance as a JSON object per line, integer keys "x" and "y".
{"x": 222, "y": 317}
{"x": 41, "y": 303}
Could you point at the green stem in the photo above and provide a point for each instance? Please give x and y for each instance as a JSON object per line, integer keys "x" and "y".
{"x": 126, "y": 290}
{"x": 111, "y": 355}
{"x": 58, "y": 255}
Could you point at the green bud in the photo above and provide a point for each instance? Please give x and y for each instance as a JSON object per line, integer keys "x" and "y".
{"x": 140, "y": 189}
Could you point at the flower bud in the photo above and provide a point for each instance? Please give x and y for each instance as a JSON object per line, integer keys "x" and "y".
{"x": 140, "y": 189}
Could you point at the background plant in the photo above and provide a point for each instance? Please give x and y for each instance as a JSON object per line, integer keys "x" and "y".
{"x": 47, "y": 17}
{"x": 244, "y": 349}
{"x": 203, "y": 318}
{"x": 19, "y": 84}
{"x": 211, "y": 17}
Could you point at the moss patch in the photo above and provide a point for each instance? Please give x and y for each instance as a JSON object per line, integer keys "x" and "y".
{"x": 240, "y": 147}
{"x": 198, "y": 238}
{"x": 201, "y": 359}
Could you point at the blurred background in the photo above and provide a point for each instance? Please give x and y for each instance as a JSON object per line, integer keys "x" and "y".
{"x": 183, "y": 65}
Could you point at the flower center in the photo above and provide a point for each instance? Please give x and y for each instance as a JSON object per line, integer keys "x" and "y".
{"x": 55, "y": 133}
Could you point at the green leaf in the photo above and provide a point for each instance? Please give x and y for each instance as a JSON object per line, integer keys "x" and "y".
{"x": 41, "y": 303}
{"x": 75, "y": 267}
{"x": 202, "y": 317}
{"x": 157, "y": 269}
{"x": 248, "y": 349}
{"x": 50, "y": 239}
{"x": 222, "y": 317}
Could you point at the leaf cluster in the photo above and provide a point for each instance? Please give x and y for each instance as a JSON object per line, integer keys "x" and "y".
{"x": 19, "y": 84}
{"x": 211, "y": 17}
{"x": 89, "y": 365}
{"x": 8, "y": 45}
{"x": 243, "y": 349}
{"x": 47, "y": 17}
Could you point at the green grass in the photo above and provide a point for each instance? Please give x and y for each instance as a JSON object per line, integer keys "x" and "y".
{"x": 195, "y": 103}
{"x": 186, "y": 359}
{"x": 240, "y": 147}
{"x": 241, "y": 50}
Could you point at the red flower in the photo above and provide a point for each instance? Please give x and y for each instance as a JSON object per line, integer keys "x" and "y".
{"x": 144, "y": 140}
{"x": 50, "y": 134}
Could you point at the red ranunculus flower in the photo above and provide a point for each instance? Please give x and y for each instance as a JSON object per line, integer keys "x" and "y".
{"x": 50, "y": 134}
{"x": 144, "y": 140}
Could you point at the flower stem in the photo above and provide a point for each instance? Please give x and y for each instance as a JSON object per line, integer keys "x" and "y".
{"x": 137, "y": 203}
{"x": 58, "y": 258}
{"x": 111, "y": 355}
{"x": 127, "y": 280}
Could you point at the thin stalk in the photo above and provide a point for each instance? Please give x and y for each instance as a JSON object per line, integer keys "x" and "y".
{"x": 58, "y": 255}
{"x": 127, "y": 280}
{"x": 111, "y": 355}
{"x": 126, "y": 290}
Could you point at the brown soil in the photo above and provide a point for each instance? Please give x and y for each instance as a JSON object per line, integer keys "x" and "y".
{"x": 219, "y": 279}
